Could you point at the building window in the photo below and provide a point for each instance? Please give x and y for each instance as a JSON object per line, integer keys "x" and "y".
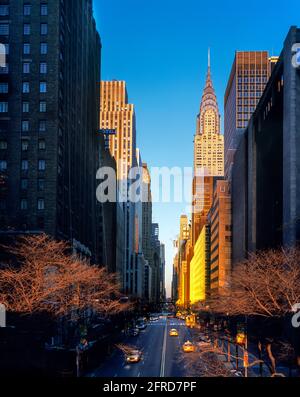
{"x": 44, "y": 9}
{"x": 6, "y": 46}
{"x": 3, "y": 107}
{"x": 26, "y": 29}
{"x": 4, "y": 29}
{"x": 44, "y": 48}
{"x": 25, "y": 125}
{"x": 41, "y": 204}
{"x": 27, "y": 9}
{"x": 26, "y": 48}
{"x": 43, "y": 106}
{"x": 44, "y": 29}
{"x": 43, "y": 87}
{"x": 26, "y": 88}
{"x": 26, "y": 67}
{"x": 43, "y": 67}
{"x": 24, "y": 165}
{"x": 24, "y": 184}
{"x": 41, "y": 185}
{"x": 4, "y": 10}
{"x": 24, "y": 145}
{"x": 42, "y": 165}
{"x": 42, "y": 144}
{"x": 25, "y": 107}
{"x": 3, "y": 88}
{"x": 3, "y": 145}
{"x": 24, "y": 204}
{"x": 3, "y": 165}
{"x": 4, "y": 69}
{"x": 42, "y": 125}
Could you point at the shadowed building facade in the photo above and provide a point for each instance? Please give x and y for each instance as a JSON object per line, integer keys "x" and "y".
{"x": 49, "y": 148}
{"x": 266, "y": 179}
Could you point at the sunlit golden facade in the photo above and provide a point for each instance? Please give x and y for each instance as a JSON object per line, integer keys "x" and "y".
{"x": 117, "y": 114}
{"x": 199, "y": 268}
{"x": 221, "y": 237}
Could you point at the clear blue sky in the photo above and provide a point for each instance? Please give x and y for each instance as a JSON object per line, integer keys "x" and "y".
{"x": 159, "y": 47}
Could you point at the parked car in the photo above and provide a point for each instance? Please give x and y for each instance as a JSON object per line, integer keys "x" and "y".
{"x": 141, "y": 326}
{"x": 134, "y": 356}
{"x": 134, "y": 332}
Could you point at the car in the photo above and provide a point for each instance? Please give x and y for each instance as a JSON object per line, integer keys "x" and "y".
{"x": 141, "y": 326}
{"x": 153, "y": 319}
{"x": 173, "y": 332}
{"x": 134, "y": 356}
{"x": 134, "y": 332}
{"x": 188, "y": 347}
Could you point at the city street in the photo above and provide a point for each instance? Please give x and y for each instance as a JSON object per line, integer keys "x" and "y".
{"x": 161, "y": 353}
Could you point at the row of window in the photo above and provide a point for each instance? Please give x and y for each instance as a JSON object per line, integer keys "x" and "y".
{"x": 42, "y": 125}
{"x": 25, "y": 87}
{"x": 252, "y": 79}
{"x": 24, "y": 165}
{"x": 40, "y": 204}
{"x": 27, "y": 48}
{"x": 43, "y": 67}
{"x": 4, "y": 9}
{"x": 26, "y": 68}
{"x": 4, "y": 29}
{"x": 24, "y": 145}
{"x": 25, "y": 108}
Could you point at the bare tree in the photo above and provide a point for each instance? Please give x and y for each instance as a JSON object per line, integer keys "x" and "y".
{"x": 204, "y": 363}
{"x": 45, "y": 277}
{"x": 265, "y": 285}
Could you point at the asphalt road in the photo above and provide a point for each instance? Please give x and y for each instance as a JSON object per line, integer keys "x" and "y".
{"x": 161, "y": 353}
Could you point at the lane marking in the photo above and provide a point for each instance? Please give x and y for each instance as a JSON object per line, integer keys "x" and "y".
{"x": 163, "y": 356}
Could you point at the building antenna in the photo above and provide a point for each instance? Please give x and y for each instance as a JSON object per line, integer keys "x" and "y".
{"x": 208, "y": 55}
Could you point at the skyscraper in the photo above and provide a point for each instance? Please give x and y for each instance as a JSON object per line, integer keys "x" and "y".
{"x": 208, "y": 155}
{"x": 249, "y": 75}
{"x": 48, "y": 121}
{"x": 117, "y": 114}
{"x": 266, "y": 178}
{"x": 147, "y": 231}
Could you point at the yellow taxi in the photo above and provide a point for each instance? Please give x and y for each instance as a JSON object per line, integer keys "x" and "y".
{"x": 134, "y": 356}
{"x": 188, "y": 347}
{"x": 173, "y": 332}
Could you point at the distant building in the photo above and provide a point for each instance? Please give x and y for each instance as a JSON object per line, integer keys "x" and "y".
{"x": 49, "y": 117}
{"x": 200, "y": 268}
{"x": 117, "y": 114}
{"x": 155, "y": 263}
{"x": 147, "y": 231}
{"x": 220, "y": 237}
{"x": 266, "y": 178}
{"x": 118, "y": 117}
{"x": 162, "y": 289}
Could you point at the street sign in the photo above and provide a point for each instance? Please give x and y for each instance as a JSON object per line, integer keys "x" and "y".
{"x": 246, "y": 359}
{"x": 107, "y": 132}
